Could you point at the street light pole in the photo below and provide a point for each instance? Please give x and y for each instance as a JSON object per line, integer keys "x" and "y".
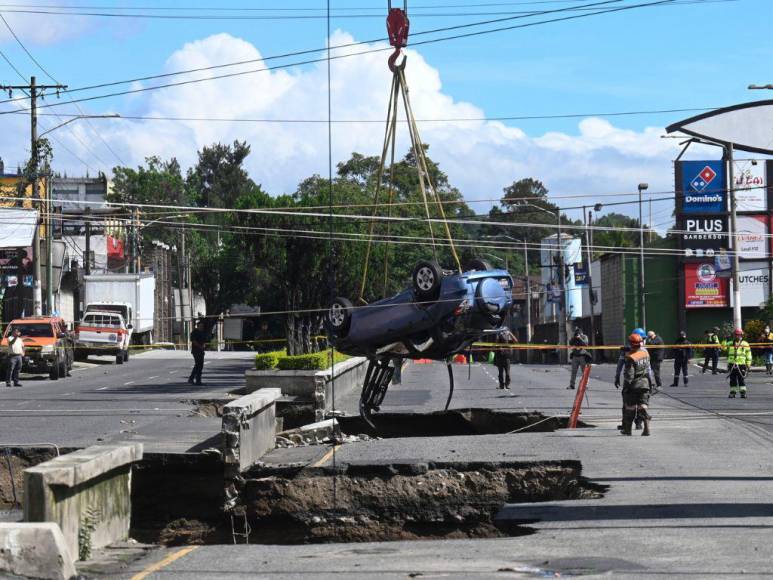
{"x": 736, "y": 266}
{"x": 642, "y": 296}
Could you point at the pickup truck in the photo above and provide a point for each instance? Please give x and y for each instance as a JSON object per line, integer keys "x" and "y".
{"x": 48, "y": 346}
{"x": 103, "y": 333}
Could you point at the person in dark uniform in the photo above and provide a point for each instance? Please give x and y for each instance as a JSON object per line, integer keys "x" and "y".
{"x": 711, "y": 353}
{"x": 502, "y": 356}
{"x": 198, "y": 344}
{"x": 637, "y": 386}
{"x": 682, "y": 355}
{"x": 657, "y": 354}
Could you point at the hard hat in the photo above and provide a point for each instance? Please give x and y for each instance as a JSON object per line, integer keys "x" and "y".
{"x": 635, "y": 339}
{"x": 639, "y": 331}
{"x": 738, "y": 332}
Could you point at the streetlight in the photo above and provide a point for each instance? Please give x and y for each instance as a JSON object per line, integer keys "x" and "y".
{"x": 49, "y": 237}
{"x": 526, "y": 282}
{"x": 642, "y": 302}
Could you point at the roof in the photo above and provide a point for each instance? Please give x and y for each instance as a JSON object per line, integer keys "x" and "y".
{"x": 18, "y": 227}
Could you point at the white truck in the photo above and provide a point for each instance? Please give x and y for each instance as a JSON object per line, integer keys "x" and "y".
{"x": 130, "y": 295}
{"x": 103, "y": 333}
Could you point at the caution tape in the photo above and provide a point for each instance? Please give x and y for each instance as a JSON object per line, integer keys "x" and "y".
{"x": 544, "y": 346}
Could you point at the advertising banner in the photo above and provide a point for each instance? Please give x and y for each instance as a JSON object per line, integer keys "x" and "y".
{"x": 702, "y": 186}
{"x": 581, "y": 275}
{"x": 754, "y": 281}
{"x": 703, "y": 288}
{"x": 703, "y": 235}
{"x": 752, "y": 237}
{"x": 751, "y": 192}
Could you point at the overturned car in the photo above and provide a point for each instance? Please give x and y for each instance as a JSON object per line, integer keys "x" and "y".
{"x": 442, "y": 314}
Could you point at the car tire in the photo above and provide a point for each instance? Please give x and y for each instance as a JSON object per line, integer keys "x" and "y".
{"x": 53, "y": 374}
{"x": 339, "y": 317}
{"x": 81, "y": 355}
{"x": 63, "y": 369}
{"x": 126, "y": 355}
{"x": 119, "y": 358}
{"x": 426, "y": 278}
{"x": 478, "y": 265}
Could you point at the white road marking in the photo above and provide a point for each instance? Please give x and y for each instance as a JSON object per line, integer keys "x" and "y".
{"x": 172, "y": 372}
{"x": 154, "y": 377}
{"x": 102, "y": 388}
{"x": 129, "y": 383}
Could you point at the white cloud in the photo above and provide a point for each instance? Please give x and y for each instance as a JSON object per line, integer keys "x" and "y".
{"x": 38, "y": 28}
{"x": 479, "y": 157}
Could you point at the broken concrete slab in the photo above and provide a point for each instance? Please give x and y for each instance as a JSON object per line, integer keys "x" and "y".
{"x": 87, "y": 493}
{"x": 36, "y": 550}
{"x": 249, "y": 429}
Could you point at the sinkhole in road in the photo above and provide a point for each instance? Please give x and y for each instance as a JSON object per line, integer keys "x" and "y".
{"x": 364, "y": 503}
{"x": 471, "y": 421}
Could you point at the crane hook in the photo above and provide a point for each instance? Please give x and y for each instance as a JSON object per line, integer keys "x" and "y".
{"x": 397, "y": 29}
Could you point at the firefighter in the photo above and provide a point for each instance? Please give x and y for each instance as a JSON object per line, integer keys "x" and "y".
{"x": 739, "y": 361}
{"x": 637, "y": 385}
{"x": 624, "y": 350}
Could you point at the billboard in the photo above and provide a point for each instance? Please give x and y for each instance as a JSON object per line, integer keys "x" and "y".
{"x": 703, "y": 235}
{"x": 752, "y": 237}
{"x": 754, "y": 282}
{"x": 750, "y": 185}
{"x": 703, "y": 288}
{"x": 702, "y": 186}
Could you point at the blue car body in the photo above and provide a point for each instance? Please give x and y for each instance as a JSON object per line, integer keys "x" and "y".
{"x": 467, "y": 306}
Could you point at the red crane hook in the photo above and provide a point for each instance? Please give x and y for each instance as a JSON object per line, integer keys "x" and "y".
{"x": 397, "y": 29}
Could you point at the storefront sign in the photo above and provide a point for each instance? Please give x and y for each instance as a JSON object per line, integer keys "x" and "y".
{"x": 702, "y": 187}
{"x": 580, "y": 275}
{"x": 752, "y": 237}
{"x": 703, "y": 235}
{"x": 754, "y": 282}
{"x": 703, "y": 288}
{"x": 749, "y": 181}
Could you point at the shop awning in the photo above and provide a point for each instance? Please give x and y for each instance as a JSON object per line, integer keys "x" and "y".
{"x": 17, "y": 227}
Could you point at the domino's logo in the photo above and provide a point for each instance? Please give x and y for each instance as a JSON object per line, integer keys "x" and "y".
{"x": 703, "y": 179}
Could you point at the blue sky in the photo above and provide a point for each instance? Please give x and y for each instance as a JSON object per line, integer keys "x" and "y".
{"x": 683, "y": 56}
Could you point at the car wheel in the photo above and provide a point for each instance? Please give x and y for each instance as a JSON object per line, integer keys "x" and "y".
{"x": 426, "y": 280}
{"x": 53, "y": 374}
{"x": 339, "y": 317}
{"x": 63, "y": 369}
{"x": 119, "y": 358}
{"x": 126, "y": 355}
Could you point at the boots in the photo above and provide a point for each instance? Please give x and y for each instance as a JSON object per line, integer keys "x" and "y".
{"x": 686, "y": 381}
{"x": 646, "y": 432}
{"x": 627, "y": 422}
{"x": 676, "y": 381}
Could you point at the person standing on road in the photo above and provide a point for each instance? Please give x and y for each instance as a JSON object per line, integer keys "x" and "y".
{"x": 739, "y": 361}
{"x": 624, "y": 350}
{"x": 766, "y": 339}
{"x": 711, "y": 353}
{"x": 502, "y": 356}
{"x": 637, "y": 385}
{"x": 198, "y": 344}
{"x": 682, "y": 356}
{"x": 657, "y": 354}
{"x": 579, "y": 355}
{"x": 15, "y": 354}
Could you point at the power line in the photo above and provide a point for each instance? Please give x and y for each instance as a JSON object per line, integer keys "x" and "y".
{"x": 49, "y": 75}
{"x": 336, "y": 57}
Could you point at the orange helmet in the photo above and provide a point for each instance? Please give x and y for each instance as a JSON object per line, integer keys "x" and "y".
{"x": 635, "y": 339}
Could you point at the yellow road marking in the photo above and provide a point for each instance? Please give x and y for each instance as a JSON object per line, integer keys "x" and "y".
{"x": 164, "y": 563}
{"x": 326, "y": 456}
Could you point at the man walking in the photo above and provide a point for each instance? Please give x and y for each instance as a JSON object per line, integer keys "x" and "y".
{"x": 711, "y": 353}
{"x": 637, "y": 385}
{"x": 502, "y": 356}
{"x": 657, "y": 354}
{"x": 198, "y": 344}
{"x": 682, "y": 356}
{"x": 15, "y": 354}
{"x": 766, "y": 339}
{"x": 579, "y": 355}
{"x": 739, "y": 361}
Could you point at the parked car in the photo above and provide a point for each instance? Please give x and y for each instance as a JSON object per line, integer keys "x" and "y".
{"x": 442, "y": 314}
{"x": 48, "y": 345}
{"x": 103, "y": 333}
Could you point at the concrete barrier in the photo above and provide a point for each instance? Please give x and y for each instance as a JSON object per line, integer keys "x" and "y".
{"x": 249, "y": 429}
{"x": 312, "y": 386}
{"x": 87, "y": 493}
{"x": 34, "y": 551}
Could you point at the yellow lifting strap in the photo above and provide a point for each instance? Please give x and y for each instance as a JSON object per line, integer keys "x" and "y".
{"x": 400, "y": 89}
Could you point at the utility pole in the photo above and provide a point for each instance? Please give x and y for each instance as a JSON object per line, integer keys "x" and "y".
{"x": 181, "y": 258}
{"x": 587, "y": 217}
{"x": 737, "y": 322}
{"x": 642, "y": 294}
{"x": 527, "y": 286}
{"x": 563, "y": 323}
{"x": 32, "y": 89}
{"x": 87, "y": 251}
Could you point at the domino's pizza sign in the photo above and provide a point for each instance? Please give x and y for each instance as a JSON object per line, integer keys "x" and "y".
{"x": 703, "y": 186}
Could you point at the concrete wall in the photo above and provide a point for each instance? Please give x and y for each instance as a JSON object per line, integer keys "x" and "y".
{"x": 312, "y": 386}
{"x": 88, "y": 493}
{"x": 613, "y": 301}
{"x": 34, "y": 551}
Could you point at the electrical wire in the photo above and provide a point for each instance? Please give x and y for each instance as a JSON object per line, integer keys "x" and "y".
{"x": 360, "y": 53}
